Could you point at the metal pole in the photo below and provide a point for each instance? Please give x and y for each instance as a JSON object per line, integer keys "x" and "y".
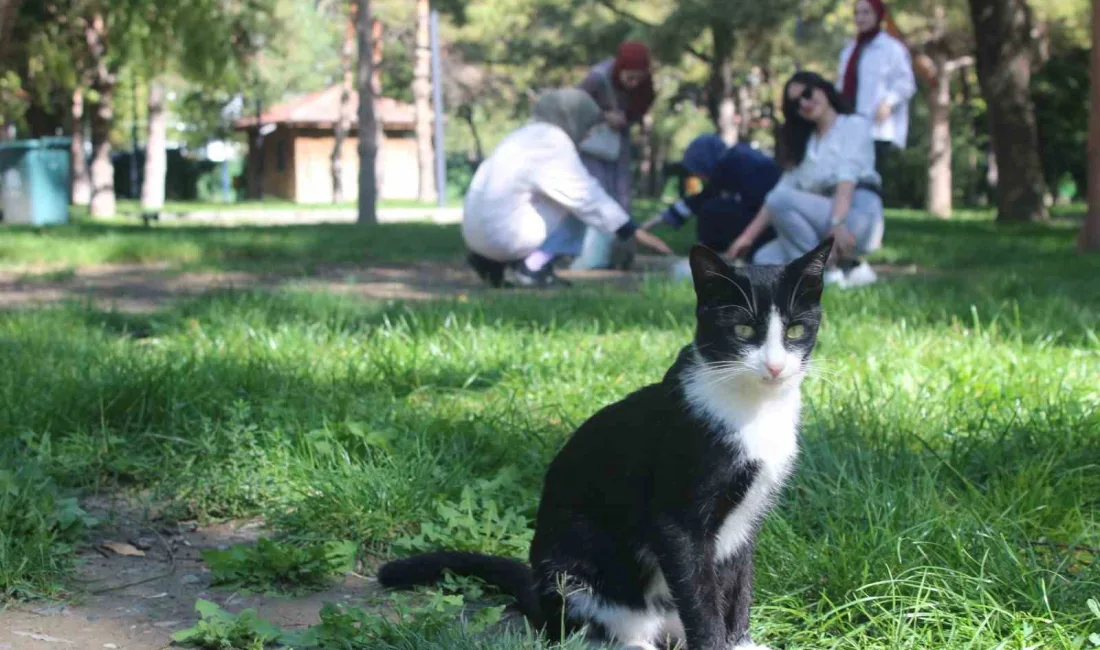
{"x": 437, "y": 100}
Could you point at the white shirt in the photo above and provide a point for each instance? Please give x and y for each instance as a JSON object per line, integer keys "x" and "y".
{"x": 885, "y": 73}
{"x": 524, "y": 189}
{"x": 845, "y": 153}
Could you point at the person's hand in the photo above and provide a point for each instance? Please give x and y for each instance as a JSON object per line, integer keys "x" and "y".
{"x": 739, "y": 248}
{"x": 615, "y": 119}
{"x": 652, "y": 242}
{"x": 844, "y": 243}
{"x": 883, "y": 112}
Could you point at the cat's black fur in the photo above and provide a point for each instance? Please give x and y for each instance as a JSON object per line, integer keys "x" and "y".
{"x": 639, "y": 492}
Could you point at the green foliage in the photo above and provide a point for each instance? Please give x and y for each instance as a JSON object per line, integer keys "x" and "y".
{"x": 217, "y": 629}
{"x": 1094, "y": 607}
{"x": 355, "y": 628}
{"x": 275, "y": 567}
{"x": 38, "y": 525}
{"x": 476, "y": 522}
{"x": 341, "y": 626}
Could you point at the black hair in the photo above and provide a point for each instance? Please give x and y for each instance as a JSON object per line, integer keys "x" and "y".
{"x": 797, "y": 129}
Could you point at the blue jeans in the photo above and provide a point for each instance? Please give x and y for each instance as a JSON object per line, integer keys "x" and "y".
{"x": 567, "y": 239}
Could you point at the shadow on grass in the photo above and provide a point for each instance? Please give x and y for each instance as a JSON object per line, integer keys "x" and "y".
{"x": 236, "y": 248}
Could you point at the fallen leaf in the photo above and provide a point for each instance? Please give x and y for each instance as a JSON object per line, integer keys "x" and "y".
{"x": 40, "y": 637}
{"x": 123, "y": 548}
{"x": 167, "y": 623}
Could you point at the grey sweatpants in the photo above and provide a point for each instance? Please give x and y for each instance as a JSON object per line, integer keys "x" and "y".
{"x": 801, "y": 222}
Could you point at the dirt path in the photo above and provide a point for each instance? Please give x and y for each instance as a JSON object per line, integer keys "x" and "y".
{"x": 136, "y": 603}
{"x": 143, "y": 288}
{"x": 138, "y": 288}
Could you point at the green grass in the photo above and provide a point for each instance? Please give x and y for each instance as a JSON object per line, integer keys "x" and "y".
{"x": 947, "y": 494}
{"x": 217, "y": 248}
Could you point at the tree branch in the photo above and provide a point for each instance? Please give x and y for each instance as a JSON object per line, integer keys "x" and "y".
{"x": 622, "y": 13}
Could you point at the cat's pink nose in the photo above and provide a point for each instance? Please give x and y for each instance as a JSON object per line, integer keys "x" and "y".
{"x": 774, "y": 369}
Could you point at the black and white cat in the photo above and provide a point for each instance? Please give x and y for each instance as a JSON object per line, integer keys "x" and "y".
{"x": 647, "y": 525}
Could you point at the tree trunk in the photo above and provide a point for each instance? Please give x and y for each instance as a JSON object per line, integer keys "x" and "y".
{"x": 973, "y": 194}
{"x": 368, "y": 145}
{"x": 343, "y": 120}
{"x": 256, "y": 155}
{"x": 467, "y": 114}
{"x": 657, "y": 177}
{"x": 103, "y": 83}
{"x": 9, "y": 12}
{"x": 156, "y": 154}
{"x": 81, "y": 186}
{"x": 422, "y": 90}
{"x": 939, "y": 151}
{"x": 1090, "y": 230}
{"x": 720, "y": 91}
{"x": 746, "y": 105}
{"x": 1002, "y": 29}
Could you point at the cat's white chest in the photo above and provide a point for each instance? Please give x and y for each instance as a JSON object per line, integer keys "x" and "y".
{"x": 771, "y": 440}
{"x": 765, "y": 432}
{"x": 770, "y": 435}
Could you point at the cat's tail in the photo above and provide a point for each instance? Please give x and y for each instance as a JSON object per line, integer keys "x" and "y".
{"x": 511, "y": 576}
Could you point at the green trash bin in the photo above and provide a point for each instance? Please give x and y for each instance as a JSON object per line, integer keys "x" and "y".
{"x": 34, "y": 181}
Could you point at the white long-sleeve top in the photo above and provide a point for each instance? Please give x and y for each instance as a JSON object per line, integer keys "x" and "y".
{"x": 885, "y": 73}
{"x": 845, "y": 153}
{"x": 524, "y": 189}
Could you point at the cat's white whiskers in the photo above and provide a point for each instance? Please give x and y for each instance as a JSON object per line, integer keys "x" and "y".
{"x": 748, "y": 300}
{"x": 736, "y": 307}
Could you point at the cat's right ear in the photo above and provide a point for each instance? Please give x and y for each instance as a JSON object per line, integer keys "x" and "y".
{"x": 711, "y": 275}
{"x": 807, "y": 272}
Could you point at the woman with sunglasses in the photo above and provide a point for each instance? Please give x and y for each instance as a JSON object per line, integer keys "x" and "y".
{"x": 829, "y": 186}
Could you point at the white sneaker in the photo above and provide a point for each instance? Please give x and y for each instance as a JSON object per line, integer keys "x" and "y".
{"x": 861, "y": 275}
{"x": 835, "y": 276}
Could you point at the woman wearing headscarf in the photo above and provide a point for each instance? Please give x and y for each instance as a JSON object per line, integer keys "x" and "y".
{"x": 623, "y": 89}
{"x": 723, "y": 188}
{"x": 532, "y": 197}
{"x": 876, "y": 77}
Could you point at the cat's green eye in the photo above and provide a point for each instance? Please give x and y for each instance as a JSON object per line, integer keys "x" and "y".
{"x": 796, "y": 331}
{"x": 744, "y": 331}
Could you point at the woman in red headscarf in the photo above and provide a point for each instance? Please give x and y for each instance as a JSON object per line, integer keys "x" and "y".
{"x": 876, "y": 77}
{"x": 623, "y": 88}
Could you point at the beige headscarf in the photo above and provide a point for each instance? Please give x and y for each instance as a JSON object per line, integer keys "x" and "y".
{"x": 572, "y": 110}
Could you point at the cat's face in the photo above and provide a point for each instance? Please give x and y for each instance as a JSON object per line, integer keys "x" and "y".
{"x": 757, "y": 325}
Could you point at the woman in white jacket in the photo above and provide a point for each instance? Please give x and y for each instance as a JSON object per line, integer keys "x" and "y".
{"x": 876, "y": 77}
{"x": 518, "y": 212}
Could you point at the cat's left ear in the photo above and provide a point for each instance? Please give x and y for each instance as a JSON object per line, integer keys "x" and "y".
{"x": 807, "y": 272}
{"x": 711, "y": 276}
